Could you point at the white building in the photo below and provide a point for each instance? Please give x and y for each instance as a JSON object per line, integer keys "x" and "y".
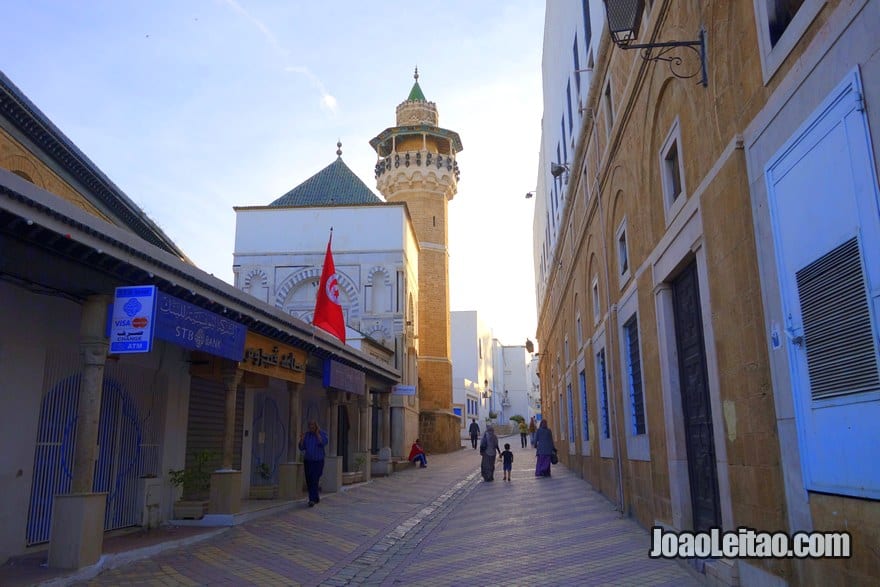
{"x": 533, "y": 392}
{"x": 279, "y": 255}
{"x": 473, "y": 368}
{"x": 568, "y": 57}
{"x": 512, "y": 383}
{"x": 488, "y": 377}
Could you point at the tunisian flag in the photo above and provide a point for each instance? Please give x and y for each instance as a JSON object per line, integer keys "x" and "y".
{"x": 328, "y": 312}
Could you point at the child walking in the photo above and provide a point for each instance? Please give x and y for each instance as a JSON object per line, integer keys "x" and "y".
{"x": 507, "y": 461}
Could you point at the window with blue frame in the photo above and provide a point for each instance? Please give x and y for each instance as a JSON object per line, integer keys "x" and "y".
{"x": 570, "y": 116}
{"x": 570, "y": 414}
{"x": 603, "y": 394}
{"x": 588, "y": 27}
{"x": 585, "y": 420}
{"x": 634, "y": 373}
{"x": 562, "y": 127}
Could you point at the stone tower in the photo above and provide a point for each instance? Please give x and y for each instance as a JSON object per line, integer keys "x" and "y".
{"x": 416, "y": 164}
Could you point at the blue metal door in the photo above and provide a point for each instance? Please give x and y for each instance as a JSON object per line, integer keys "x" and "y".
{"x": 269, "y": 442}
{"x": 128, "y": 448}
{"x": 823, "y": 196}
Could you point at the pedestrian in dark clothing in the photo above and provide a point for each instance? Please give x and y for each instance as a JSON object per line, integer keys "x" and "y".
{"x": 533, "y": 429}
{"x": 312, "y": 444}
{"x": 545, "y": 448}
{"x": 507, "y": 462}
{"x": 488, "y": 450}
{"x": 474, "y": 430}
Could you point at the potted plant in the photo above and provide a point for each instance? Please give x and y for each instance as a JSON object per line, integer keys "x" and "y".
{"x": 357, "y": 475}
{"x": 195, "y": 483}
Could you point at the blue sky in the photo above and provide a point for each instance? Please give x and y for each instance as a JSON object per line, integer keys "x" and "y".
{"x": 193, "y": 107}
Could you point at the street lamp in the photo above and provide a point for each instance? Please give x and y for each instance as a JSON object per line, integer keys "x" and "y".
{"x": 557, "y": 169}
{"x": 625, "y": 17}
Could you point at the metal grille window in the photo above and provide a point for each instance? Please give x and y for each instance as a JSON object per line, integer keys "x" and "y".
{"x": 585, "y": 422}
{"x": 634, "y": 371}
{"x": 570, "y": 115}
{"x": 841, "y": 357}
{"x": 603, "y": 394}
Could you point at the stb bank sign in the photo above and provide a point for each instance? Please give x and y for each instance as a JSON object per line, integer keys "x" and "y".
{"x": 172, "y": 320}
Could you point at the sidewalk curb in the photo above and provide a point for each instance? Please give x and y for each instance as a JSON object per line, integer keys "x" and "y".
{"x": 112, "y": 561}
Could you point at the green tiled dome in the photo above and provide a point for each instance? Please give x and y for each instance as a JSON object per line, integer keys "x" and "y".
{"x": 335, "y": 185}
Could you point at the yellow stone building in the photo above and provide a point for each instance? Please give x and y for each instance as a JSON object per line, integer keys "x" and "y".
{"x": 417, "y": 166}
{"x": 707, "y": 259}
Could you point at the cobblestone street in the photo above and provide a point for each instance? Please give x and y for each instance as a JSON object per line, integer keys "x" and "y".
{"x": 437, "y": 526}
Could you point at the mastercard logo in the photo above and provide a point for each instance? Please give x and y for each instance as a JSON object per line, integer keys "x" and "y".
{"x": 139, "y": 322}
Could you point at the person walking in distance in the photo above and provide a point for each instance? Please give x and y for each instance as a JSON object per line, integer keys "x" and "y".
{"x": 474, "y": 431}
{"x": 523, "y": 432}
{"x": 533, "y": 428}
{"x": 545, "y": 448}
{"x": 488, "y": 450}
{"x": 507, "y": 461}
{"x": 312, "y": 443}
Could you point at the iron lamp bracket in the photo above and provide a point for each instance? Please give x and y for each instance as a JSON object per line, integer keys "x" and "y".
{"x": 675, "y": 61}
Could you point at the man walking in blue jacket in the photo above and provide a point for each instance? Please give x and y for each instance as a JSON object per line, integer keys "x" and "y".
{"x": 312, "y": 444}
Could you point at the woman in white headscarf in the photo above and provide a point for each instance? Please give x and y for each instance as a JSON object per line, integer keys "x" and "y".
{"x": 488, "y": 450}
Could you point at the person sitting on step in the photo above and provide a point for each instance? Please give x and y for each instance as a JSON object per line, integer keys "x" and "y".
{"x": 416, "y": 453}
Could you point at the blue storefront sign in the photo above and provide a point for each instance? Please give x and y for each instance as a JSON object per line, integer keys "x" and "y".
{"x": 343, "y": 378}
{"x": 132, "y": 321}
{"x": 197, "y": 329}
{"x": 403, "y": 390}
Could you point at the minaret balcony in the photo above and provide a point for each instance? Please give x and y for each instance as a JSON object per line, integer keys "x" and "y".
{"x": 417, "y": 159}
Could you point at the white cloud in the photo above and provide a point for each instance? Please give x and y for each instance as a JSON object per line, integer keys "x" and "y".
{"x": 328, "y": 101}
{"x": 267, "y": 34}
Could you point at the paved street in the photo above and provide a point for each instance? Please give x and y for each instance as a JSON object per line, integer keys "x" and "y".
{"x": 436, "y": 526}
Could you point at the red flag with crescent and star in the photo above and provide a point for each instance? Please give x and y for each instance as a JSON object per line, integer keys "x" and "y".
{"x": 328, "y": 312}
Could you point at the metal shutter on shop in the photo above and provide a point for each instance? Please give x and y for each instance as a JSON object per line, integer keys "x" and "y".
{"x": 206, "y": 421}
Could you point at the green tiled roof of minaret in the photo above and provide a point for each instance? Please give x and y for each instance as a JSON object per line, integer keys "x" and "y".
{"x": 415, "y": 94}
{"x": 335, "y": 185}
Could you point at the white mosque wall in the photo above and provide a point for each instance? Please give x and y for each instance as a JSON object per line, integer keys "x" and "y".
{"x": 279, "y": 254}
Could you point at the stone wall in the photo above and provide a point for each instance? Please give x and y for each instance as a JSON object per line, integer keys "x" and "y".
{"x": 439, "y": 431}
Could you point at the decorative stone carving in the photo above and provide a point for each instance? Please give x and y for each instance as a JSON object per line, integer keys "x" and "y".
{"x": 416, "y": 113}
